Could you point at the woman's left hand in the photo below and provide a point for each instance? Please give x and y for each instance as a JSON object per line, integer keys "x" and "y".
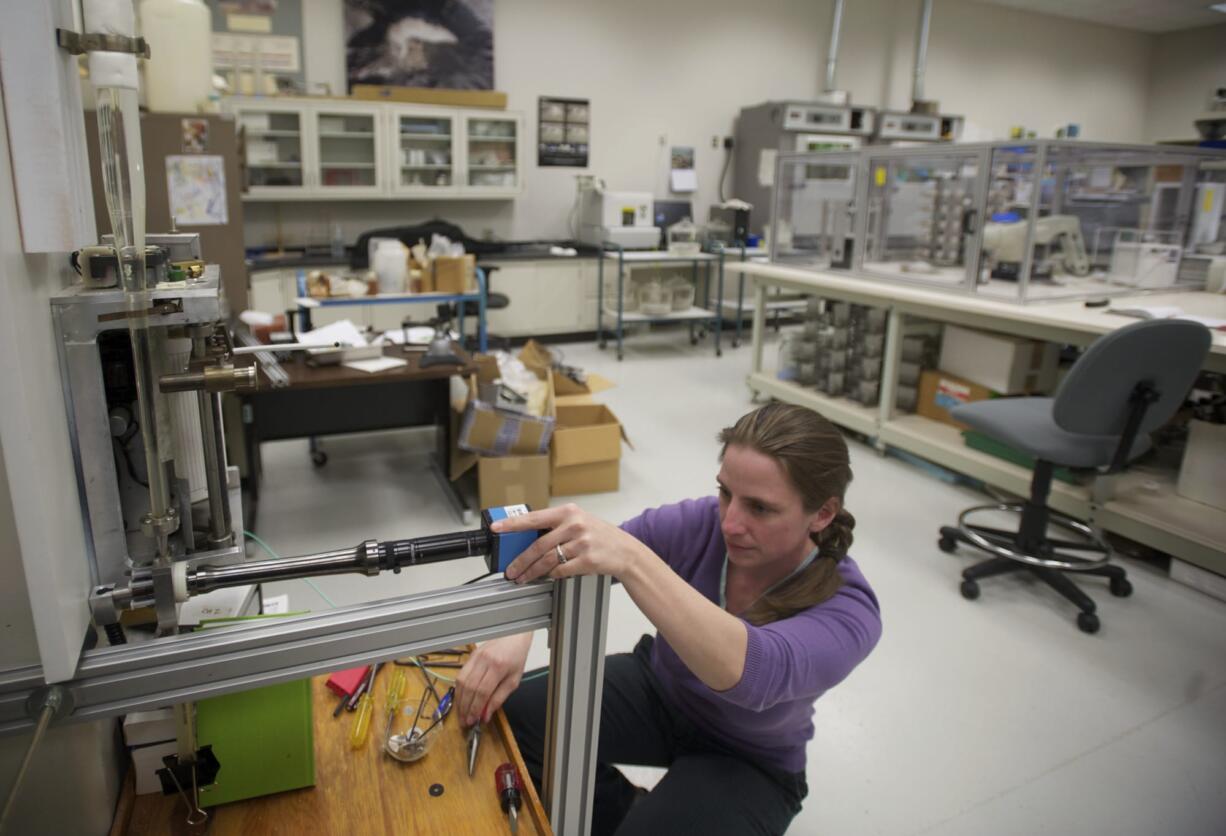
{"x": 576, "y": 543}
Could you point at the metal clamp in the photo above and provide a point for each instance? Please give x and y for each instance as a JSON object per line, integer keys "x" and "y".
{"x": 79, "y": 44}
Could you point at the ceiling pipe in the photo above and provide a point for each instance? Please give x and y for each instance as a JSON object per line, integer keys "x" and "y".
{"x": 918, "y": 103}
{"x": 832, "y": 54}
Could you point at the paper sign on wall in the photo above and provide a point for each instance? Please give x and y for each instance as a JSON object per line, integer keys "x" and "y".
{"x": 196, "y": 187}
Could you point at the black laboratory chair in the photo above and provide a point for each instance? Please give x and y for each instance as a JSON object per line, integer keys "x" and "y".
{"x": 1126, "y": 385}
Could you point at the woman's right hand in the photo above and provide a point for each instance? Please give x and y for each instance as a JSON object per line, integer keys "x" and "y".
{"x": 489, "y": 676}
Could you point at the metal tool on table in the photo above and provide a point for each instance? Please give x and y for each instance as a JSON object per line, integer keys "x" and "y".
{"x": 361, "y": 721}
{"x": 510, "y": 792}
{"x": 412, "y": 745}
{"x": 395, "y": 691}
{"x": 474, "y": 743}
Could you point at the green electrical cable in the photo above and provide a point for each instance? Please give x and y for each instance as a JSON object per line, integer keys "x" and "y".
{"x": 276, "y": 556}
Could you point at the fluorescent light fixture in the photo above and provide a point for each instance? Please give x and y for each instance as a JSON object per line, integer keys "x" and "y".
{"x": 1219, "y": 7}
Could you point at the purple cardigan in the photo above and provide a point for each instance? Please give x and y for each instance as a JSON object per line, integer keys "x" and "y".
{"x": 788, "y": 663}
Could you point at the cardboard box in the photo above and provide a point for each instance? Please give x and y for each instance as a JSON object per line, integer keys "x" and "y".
{"x": 513, "y": 480}
{"x": 1004, "y": 364}
{"x": 586, "y": 450}
{"x": 505, "y": 479}
{"x": 430, "y": 95}
{"x": 940, "y": 392}
{"x": 453, "y": 274}
{"x": 1200, "y": 474}
{"x": 597, "y": 477}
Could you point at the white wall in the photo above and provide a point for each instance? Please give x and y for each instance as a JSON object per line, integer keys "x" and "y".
{"x": 1188, "y": 66}
{"x": 682, "y": 69}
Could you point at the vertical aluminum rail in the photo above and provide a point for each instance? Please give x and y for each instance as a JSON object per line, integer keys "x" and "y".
{"x": 572, "y": 716}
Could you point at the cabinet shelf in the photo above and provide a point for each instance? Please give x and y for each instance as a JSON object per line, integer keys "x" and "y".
{"x": 346, "y": 135}
{"x": 251, "y": 132}
{"x": 274, "y": 165}
{"x": 425, "y": 137}
{"x": 346, "y": 165}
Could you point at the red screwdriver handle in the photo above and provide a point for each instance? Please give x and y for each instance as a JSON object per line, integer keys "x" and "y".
{"x": 508, "y": 784}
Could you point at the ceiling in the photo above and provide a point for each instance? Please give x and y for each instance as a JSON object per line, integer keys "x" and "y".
{"x": 1141, "y": 15}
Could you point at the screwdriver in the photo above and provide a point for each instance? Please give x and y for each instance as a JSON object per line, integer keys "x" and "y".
{"x": 361, "y": 721}
{"x": 474, "y": 741}
{"x": 510, "y": 793}
{"x": 395, "y": 690}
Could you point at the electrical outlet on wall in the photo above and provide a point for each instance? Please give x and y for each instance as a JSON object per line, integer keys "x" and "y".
{"x": 715, "y": 142}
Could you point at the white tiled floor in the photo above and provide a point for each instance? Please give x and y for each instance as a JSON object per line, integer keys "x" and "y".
{"x": 996, "y": 716}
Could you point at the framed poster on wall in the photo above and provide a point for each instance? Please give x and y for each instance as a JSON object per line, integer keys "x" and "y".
{"x": 420, "y": 43}
{"x": 562, "y": 132}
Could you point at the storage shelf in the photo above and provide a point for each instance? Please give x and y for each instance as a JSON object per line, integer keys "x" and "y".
{"x": 841, "y": 411}
{"x": 473, "y": 138}
{"x": 426, "y": 167}
{"x": 1147, "y": 509}
{"x": 491, "y": 168}
{"x": 251, "y": 132}
{"x": 335, "y": 166}
{"x": 274, "y": 165}
{"x": 691, "y": 313}
{"x": 942, "y": 443}
{"x": 429, "y": 137}
{"x": 346, "y": 135}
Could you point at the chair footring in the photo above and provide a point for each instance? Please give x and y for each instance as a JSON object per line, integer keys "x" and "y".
{"x": 1003, "y": 544}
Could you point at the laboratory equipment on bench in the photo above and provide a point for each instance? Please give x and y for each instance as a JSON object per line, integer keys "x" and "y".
{"x": 1059, "y": 247}
{"x": 923, "y": 122}
{"x": 683, "y": 238}
{"x": 609, "y": 217}
{"x": 765, "y": 131}
{"x": 728, "y": 222}
{"x": 1010, "y": 220}
{"x": 510, "y": 789}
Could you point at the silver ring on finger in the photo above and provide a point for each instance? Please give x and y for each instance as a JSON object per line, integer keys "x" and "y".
{"x": 561, "y": 554}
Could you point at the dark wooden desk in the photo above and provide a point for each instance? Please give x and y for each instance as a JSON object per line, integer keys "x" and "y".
{"x": 333, "y": 400}
{"x": 364, "y": 792}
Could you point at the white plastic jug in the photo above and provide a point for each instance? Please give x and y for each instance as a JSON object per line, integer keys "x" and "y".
{"x": 391, "y": 265}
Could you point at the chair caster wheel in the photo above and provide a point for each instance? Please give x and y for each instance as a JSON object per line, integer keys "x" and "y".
{"x": 319, "y": 458}
{"x": 970, "y": 590}
{"x": 1088, "y": 622}
{"x": 1120, "y": 587}
{"x": 948, "y": 545}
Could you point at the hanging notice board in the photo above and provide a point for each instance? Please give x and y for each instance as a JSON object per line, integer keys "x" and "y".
{"x": 562, "y": 132}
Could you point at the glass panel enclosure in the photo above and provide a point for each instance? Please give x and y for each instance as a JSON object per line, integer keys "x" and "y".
{"x": 273, "y": 144}
{"x": 919, "y": 215}
{"x": 426, "y": 156}
{"x": 1029, "y": 221}
{"x": 814, "y": 208}
{"x": 347, "y": 150}
{"x": 492, "y": 152}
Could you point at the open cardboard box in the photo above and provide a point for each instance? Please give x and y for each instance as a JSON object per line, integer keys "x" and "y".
{"x": 520, "y": 476}
{"x": 585, "y": 454}
{"x": 566, "y": 390}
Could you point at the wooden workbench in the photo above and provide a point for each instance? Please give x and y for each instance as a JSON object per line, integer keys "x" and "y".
{"x": 364, "y": 792}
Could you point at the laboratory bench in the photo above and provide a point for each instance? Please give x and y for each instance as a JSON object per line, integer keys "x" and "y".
{"x": 1139, "y": 503}
{"x": 364, "y": 792}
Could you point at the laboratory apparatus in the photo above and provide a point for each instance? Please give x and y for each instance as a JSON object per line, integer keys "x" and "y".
{"x": 765, "y": 131}
{"x": 1017, "y": 221}
{"x": 923, "y": 122}
{"x": 623, "y": 219}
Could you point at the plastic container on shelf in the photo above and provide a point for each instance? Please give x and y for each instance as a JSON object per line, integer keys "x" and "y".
{"x": 681, "y": 292}
{"x": 391, "y": 263}
{"x": 654, "y": 298}
{"x": 683, "y": 238}
{"x": 179, "y": 71}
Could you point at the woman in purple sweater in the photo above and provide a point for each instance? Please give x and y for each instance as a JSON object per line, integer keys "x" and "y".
{"x": 758, "y": 609}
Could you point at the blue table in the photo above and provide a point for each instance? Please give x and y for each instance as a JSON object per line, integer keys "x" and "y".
{"x": 307, "y": 303}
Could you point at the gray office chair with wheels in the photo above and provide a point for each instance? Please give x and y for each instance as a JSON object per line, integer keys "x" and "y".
{"x": 1127, "y": 384}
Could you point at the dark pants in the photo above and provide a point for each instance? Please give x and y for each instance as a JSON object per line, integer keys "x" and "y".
{"x": 709, "y": 788}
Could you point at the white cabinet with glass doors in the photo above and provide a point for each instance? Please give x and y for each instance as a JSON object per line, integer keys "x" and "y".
{"x": 329, "y": 149}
